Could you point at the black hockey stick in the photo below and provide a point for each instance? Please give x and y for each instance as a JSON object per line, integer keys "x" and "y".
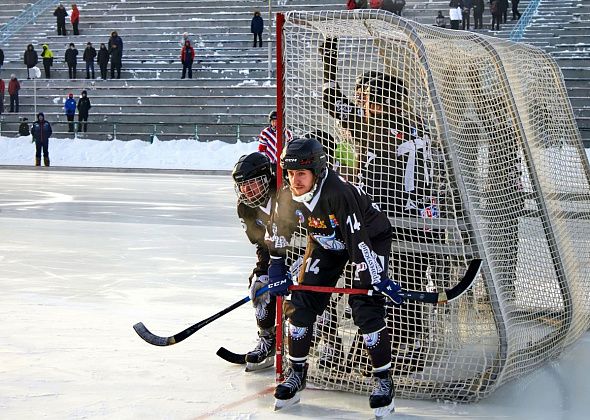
{"x": 156, "y": 340}
{"x": 426, "y": 297}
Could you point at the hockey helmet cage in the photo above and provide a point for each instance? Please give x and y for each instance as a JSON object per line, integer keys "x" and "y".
{"x": 272, "y": 116}
{"x": 387, "y": 90}
{"x": 252, "y": 176}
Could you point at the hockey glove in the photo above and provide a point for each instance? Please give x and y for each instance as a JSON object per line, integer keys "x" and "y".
{"x": 279, "y": 279}
{"x": 391, "y": 289}
{"x": 258, "y": 283}
{"x": 329, "y": 52}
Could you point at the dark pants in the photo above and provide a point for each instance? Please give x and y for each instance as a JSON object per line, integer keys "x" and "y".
{"x": 466, "y": 20}
{"x": 75, "y": 26}
{"x": 496, "y": 21}
{"x": 259, "y": 38}
{"x": 505, "y": 16}
{"x": 71, "y": 125}
{"x": 61, "y": 28}
{"x": 117, "y": 68}
{"x": 47, "y": 68}
{"x": 189, "y": 67}
{"x": 515, "y": 12}
{"x": 82, "y": 122}
{"x": 478, "y": 21}
{"x": 72, "y": 70}
{"x": 41, "y": 146}
{"x": 103, "y": 71}
{"x": 14, "y": 103}
{"x": 89, "y": 68}
{"x": 455, "y": 24}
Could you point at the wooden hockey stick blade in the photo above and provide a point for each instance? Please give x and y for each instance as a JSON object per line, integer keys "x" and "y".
{"x": 156, "y": 340}
{"x": 230, "y": 356}
{"x": 427, "y": 297}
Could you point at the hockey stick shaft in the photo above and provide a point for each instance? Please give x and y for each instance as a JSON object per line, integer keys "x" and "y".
{"x": 156, "y": 340}
{"x": 418, "y": 296}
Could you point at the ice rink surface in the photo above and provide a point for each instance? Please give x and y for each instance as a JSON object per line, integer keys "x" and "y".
{"x": 85, "y": 255}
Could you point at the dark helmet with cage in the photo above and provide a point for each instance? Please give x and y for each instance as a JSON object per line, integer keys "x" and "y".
{"x": 252, "y": 176}
{"x": 385, "y": 90}
{"x": 272, "y": 116}
{"x": 305, "y": 153}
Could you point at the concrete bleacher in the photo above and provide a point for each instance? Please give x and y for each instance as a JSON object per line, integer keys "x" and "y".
{"x": 233, "y": 88}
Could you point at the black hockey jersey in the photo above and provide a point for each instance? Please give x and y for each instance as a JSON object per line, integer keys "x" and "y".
{"x": 255, "y": 222}
{"x": 341, "y": 218}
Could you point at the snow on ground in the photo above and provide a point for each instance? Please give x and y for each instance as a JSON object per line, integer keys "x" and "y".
{"x": 85, "y": 255}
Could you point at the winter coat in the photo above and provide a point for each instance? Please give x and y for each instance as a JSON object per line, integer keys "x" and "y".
{"x": 71, "y": 56}
{"x": 187, "y": 55}
{"x": 75, "y": 14}
{"x": 70, "y": 106}
{"x": 2, "y": 87}
{"x": 13, "y": 87}
{"x": 116, "y": 55}
{"x": 31, "y": 58}
{"x": 116, "y": 40}
{"x": 103, "y": 57}
{"x": 84, "y": 106}
{"x": 47, "y": 55}
{"x": 60, "y": 13}
{"x": 41, "y": 132}
{"x": 478, "y": 7}
{"x": 89, "y": 54}
{"x": 257, "y": 25}
{"x": 1, "y": 57}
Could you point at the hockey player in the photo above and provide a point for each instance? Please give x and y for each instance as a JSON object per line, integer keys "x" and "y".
{"x": 267, "y": 139}
{"x": 343, "y": 225}
{"x": 255, "y": 187}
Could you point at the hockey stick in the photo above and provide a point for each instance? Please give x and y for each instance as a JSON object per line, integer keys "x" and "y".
{"x": 156, "y": 340}
{"x": 426, "y": 297}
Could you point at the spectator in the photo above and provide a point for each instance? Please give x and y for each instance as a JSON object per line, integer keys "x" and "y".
{"x": 88, "y": 57}
{"x": 75, "y": 19}
{"x": 13, "y": 88}
{"x": 504, "y": 9}
{"x": 23, "y": 127}
{"x": 2, "y": 90}
{"x": 41, "y": 132}
{"x": 31, "y": 59}
{"x": 71, "y": 58}
{"x": 83, "y": 108}
{"x": 478, "y": 8}
{"x": 187, "y": 56}
{"x": 267, "y": 139}
{"x": 455, "y": 13}
{"x": 257, "y": 27}
{"x": 395, "y": 6}
{"x": 515, "y": 14}
{"x": 496, "y": 12}
{"x": 103, "y": 60}
{"x": 376, "y": 4}
{"x": 116, "y": 39}
{"x": 466, "y": 14}
{"x": 441, "y": 21}
{"x": 70, "y": 108}
{"x": 60, "y": 13}
{"x": 1, "y": 58}
{"x": 116, "y": 60}
{"x": 47, "y": 56}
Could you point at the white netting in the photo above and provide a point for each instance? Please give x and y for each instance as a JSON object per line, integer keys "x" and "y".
{"x": 477, "y": 155}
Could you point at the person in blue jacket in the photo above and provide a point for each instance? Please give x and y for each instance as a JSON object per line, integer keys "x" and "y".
{"x": 41, "y": 132}
{"x": 70, "y": 108}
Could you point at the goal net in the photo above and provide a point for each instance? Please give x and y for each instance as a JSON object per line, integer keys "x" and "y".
{"x": 469, "y": 144}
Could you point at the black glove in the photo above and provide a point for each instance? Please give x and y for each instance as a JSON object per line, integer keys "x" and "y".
{"x": 329, "y": 52}
{"x": 279, "y": 279}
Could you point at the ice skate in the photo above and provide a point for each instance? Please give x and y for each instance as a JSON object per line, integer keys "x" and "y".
{"x": 287, "y": 393}
{"x": 382, "y": 397}
{"x": 263, "y": 355}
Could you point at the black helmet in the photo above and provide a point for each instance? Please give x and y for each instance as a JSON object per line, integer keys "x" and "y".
{"x": 305, "y": 153}
{"x": 363, "y": 79}
{"x": 252, "y": 175}
{"x": 386, "y": 90}
{"x": 272, "y": 116}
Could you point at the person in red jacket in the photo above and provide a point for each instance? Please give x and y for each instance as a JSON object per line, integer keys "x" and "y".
{"x": 75, "y": 18}
{"x": 187, "y": 56}
{"x": 13, "y": 88}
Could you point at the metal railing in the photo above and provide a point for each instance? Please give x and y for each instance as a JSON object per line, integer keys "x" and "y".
{"x": 117, "y": 130}
{"x": 531, "y": 10}
{"x": 29, "y": 14}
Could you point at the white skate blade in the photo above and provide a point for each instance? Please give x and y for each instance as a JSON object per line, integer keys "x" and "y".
{"x": 282, "y": 404}
{"x": 252, "y": 367}
{"x": 384, "y": 412}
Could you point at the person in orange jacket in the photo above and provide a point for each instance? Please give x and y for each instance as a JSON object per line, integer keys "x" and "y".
{"x": 187, "y": 56}
{"x": 75, "y": 18}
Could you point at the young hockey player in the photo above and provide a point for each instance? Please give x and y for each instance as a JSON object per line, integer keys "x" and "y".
{"x": 343, "y": 225}
{"x": 256, "y": 189}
